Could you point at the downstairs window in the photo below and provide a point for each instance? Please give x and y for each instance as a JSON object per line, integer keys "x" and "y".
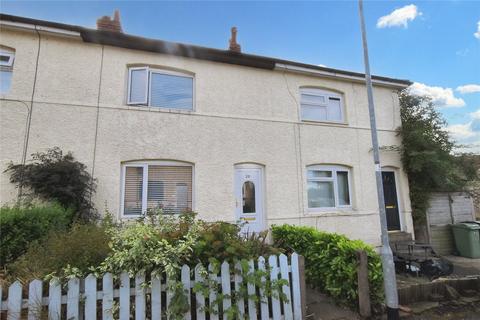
{"x": 165, "y": 185}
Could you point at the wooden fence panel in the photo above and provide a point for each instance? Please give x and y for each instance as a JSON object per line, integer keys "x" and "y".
{"x": 200, "y": 299}
{"x": 284, "y": 274}
{"x": 91, "y": 297}
{"x": 14, "y": 301}
{"x": 156, "y": 295}
{"x": 238, "y": 284}
{"x": 252, "y": 306}
{"x": 67, "y": 306}
{"x": 124, "y": 296}
{"x": 213, "y": 294}
{"x": 185, "y": 277}
{"x": 35, "y": 300}
{"x": 73, "y": 299}
{"x": 264, "y": 313}
{"x": 54, "y": 300}
{"x": 107, "y": 301}
{"x": 140, "y": 296}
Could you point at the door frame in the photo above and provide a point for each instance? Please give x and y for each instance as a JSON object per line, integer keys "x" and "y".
{"x": 261, "y": 167}
{"x": 399, "y": 197}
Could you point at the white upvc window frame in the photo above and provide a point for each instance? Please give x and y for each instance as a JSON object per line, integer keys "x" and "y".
{"x": 129, "y": 100}
{"x": 11, "y": 58}
{"x": 148, "y": 87}
{"x": 144, "y": 165}
{"x": 334, "y": 169}
{"x": 327, "y": 94}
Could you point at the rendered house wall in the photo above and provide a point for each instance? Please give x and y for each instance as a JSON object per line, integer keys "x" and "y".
{"x": 241, "y": 115}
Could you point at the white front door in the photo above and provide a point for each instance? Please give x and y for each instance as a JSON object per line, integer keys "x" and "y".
{"x": 249, "y": 199}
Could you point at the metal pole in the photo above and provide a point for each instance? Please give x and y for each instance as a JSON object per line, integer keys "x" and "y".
{"x": 389, "y": 279}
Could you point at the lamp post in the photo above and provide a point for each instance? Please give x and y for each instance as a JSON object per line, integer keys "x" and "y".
{"x": 389, "y": 279}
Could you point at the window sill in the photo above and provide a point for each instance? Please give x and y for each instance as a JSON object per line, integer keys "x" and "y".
{"x": 331, "y": 212}
{"x": 319, "y": 122}
{"x": 158, "y": 109}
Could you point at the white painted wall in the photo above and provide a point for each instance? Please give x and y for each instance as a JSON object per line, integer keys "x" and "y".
{"x": 242, "y": 115}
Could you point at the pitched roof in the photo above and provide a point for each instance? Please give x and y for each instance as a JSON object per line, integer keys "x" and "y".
{"x": 123, "y": 40}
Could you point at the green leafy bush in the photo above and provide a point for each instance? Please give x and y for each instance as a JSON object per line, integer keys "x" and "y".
{"x": 21, "y": 225}
{"x": 331, "y": 263}
{"x": 58, "y": 177}
{"x": 63, "y": 253}
{"x": 223, "y": 241}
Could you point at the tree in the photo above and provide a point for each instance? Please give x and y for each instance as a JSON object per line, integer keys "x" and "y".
{"x": 427, "y": 153}
{"x": 53, "y": 176}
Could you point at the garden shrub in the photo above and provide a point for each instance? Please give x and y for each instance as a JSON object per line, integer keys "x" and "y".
{"x": 331, "y": 263}
{"x": 63, "y": 253}
{"x": 223, "y": 241}
{"x": 57, "y": 177}
{"x": 21, "y": 225}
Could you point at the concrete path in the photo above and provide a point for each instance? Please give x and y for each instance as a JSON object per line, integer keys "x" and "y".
{"x": 464, "y": 266}
{"x": 322, "y": 307}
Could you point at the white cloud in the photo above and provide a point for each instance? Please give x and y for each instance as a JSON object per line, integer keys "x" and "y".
{"x": 477, "y": 34}
{"x": 475, "y": 114}
{"x": 461, "y": 131}
{"x": 467, "y": 134}
{"x": 469, "y": 88}
{"x": 441, "y": 97}
{"x": 399, "y": 17}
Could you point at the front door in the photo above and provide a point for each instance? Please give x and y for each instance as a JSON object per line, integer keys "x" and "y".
{"x": 391, "y": 201}
{"x": 249, "y": 199}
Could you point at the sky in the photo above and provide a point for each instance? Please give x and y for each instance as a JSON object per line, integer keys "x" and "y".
{"x": 435, "y": 44}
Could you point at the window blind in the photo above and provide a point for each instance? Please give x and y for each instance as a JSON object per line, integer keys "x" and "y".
{"x": 170, "y": 91}
{"x": 169, "y": 188}
{"x": 133, "y": 191}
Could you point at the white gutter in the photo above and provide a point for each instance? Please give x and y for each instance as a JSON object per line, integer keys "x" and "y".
{"x": 335, "y": 75}
{"x": 28, "y": 26}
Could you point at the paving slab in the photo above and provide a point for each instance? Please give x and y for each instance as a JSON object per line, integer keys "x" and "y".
{"x": 464, "y": 266}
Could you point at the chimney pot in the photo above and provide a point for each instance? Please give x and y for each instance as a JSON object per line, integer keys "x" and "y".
{"x": 106, "y": 23}
{"x": 234, "y": 46}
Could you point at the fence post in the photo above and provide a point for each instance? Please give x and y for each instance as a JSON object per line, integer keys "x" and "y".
{"x": 363, "y": 286}
{"x": 303, "y": 286}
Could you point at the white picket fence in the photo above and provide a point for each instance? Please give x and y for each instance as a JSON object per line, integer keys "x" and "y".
{"x": 82, "y": 299}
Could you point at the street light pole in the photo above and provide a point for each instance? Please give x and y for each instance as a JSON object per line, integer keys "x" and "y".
{"x": 389, "y": 279}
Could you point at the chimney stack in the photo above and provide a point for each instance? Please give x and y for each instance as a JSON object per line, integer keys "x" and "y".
{"x": 234, "y": 46}
{"x": 106, "y": 23}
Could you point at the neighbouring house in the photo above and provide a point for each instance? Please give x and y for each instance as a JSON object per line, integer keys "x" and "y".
{"x": 233, "y": 136}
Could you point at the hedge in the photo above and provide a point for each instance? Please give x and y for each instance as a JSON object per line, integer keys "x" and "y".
{"x": 331, "y": 263}
{"x": 22, "y": 225}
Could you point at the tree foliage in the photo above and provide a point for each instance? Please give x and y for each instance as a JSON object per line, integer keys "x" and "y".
{"x": 58, "y": 177}
{"x": 427, "y": 153}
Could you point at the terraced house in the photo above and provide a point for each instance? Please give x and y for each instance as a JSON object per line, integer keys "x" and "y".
{"x": 233, "y": 136}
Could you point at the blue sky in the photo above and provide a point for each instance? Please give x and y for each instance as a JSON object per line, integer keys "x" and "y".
{"x": 429, "y": 42}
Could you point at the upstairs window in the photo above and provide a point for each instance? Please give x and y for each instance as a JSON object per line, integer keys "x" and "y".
{"x": 328, "y": 187}
{"x": 321, "y": 105}
{"x": 160, "y": 88}
{"x": 6, "y": 70}
{"x": 156, "y": 185}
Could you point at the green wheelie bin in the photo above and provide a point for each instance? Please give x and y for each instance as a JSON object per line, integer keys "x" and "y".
{"x": 467, "y": 238}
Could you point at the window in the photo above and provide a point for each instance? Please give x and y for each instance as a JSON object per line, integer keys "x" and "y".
{"x": 321, "y": 105}
{"x": 160, "y": 88}
{"x": 6, "y": 71}
{"x": 165, "y": 185}
{"x": 328, "y": 187}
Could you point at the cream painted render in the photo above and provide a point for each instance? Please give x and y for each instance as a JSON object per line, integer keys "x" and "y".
{"x": 241, "y": 115}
